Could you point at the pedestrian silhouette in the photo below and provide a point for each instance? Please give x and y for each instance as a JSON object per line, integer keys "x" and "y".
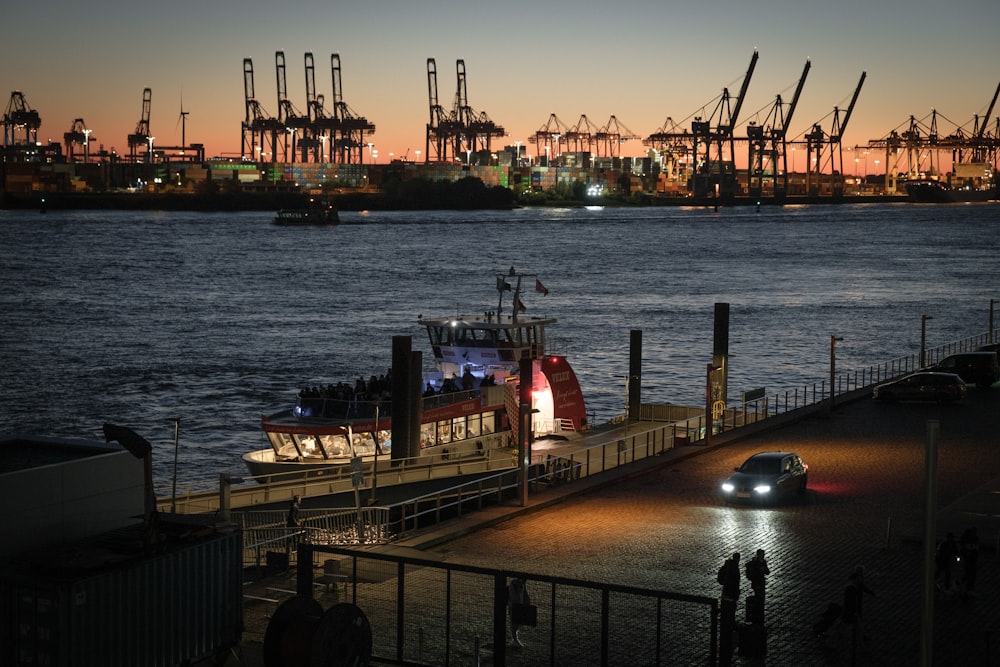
{"x": 293, "y": 520}
{"x": 969, "y": 550}
{"x": 944, "y": 559}
{"x": 729, "y": 577}
{"x": 757, "y": 570}
{"x": 517, "y": 600}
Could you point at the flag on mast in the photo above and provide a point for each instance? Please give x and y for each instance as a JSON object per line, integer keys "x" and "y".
{"x": 539, "y": 287}
{"x": 502, "y": 285}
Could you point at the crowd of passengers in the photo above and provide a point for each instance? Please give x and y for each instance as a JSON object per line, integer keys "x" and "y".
{"x": 380, "y": 388}
{"x": 455, "y": 384}
{"x": 375, "y": 389}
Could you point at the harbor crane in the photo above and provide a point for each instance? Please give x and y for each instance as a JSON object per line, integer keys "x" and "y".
{"x": 984, "y": 151}
{"x": 611, "y": 136}
{"x": 78, "y": 135}
{"x": 717, "y": 133}
{"x": 768, "y": 148}
{"x": 260, "y": 130}
{"x": 350, "y": 129}
{"x": 548, "y": 137}
{"x": 817, "y": 141}
{"x": 20, "y": 116}
{"x": 290, "y": 117}
{"x": 141, "y": 135}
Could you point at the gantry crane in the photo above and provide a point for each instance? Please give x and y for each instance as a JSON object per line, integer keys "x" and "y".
{"x": 349, "y": 128}
{"x": 767, "y": 147}
{"x": 717, "y": 133}
{"x": 475, "y": 130}
{"x": 817, "y": 141}
{"x": 20, "y": 116}
{"x": 260, "y": 130}
{"x": 611, "y": 136}
{"x": 444, "y": 129}
{"x": 983, "y": 150}
{"x": 581, "y": 136}
{"x": 290, "y": 117}
{"x": 78, "y": 135}
{"x": 548, "y": 137}
{"x": 141, "y": 135}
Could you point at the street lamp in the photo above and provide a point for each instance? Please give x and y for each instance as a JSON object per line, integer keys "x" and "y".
{"x": 418, "y": 155}
{"x": 923, "y": 338}
{"x": 833, "y": 371}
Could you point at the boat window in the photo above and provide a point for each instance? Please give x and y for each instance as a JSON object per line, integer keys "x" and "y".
{"x": 308, "y": 446}
{"x": 458, "y": 428}
{"x": 489, "y": 425}
{"x": 364, "y": 444}
{"x": 443, "y": 431}
{"x": 438, "y": 335}
{"x": 385, "y": 441}
{"x": 427, "y": 435}
{"x": 334, "y": 445}
{"x": 474, "y": 425}
{"x": 284, "y": 446}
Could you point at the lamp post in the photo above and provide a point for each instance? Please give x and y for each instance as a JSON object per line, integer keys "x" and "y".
{"x": 833, "y": 371}
{"x": 923, "y": 339}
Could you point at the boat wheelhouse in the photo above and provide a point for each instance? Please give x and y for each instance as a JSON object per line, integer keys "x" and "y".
{"x": 469, "y": 410}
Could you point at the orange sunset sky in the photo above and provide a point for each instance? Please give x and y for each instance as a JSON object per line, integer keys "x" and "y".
{"x": 641, "y": 61}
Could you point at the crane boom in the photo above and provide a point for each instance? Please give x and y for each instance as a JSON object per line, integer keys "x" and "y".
{"x": 850, "y": 107}
{"x": 743, "y": 91}
{"x": 989, "y": 111}
{"x": 795, "y": 99}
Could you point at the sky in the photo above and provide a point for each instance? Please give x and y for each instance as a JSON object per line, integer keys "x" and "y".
{"x": 641, "y": 61}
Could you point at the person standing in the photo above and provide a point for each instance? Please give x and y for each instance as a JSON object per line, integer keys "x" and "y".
{"x": 757, "y": 571}
{"x": 969, "y": 550}
{"x": 293, "y": 520}
{"x": 517, "y": 599}
{"x": 729, "y": 577}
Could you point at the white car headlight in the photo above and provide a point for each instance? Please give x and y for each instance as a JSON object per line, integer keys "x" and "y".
{"x": 762, "y": 488}
{"x": 728, "y": 487}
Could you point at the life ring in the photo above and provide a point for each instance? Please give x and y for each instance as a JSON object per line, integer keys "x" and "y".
{"x": 444, "y": 454}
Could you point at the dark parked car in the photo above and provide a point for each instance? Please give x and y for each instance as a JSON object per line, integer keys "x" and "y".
{"x": 767, "y": 477}
{"x": 979, "y": 368}
{"x": 922, "y": 386}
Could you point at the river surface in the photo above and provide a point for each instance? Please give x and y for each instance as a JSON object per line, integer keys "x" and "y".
{"x": 141, "y": 318}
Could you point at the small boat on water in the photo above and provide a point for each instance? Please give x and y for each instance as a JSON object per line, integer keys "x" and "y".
{"x": 469, "y": 411}
{"x": 317, "y": 213}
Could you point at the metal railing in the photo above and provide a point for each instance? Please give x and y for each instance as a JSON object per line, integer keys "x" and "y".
{"x": 423, "y": 612}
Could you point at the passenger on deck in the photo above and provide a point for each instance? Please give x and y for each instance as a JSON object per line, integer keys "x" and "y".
{"x": 429, "y": 391}
{"x": 468, "y": 380}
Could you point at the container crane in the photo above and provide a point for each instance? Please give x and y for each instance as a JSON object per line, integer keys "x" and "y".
{"x": 141, "y": 135}
{"x": 720, "y": 136}
{"x": 443, "y": 129}
{"x": 349, "y": 128}
{"x": 78, "y": 135}
{"x": 288, "y": 115}
{"x": 260, "y": 130}
{"x": 982, "y": 150}
{"x": 611, "y": 137}
{"x": 548, "y": 137}
{"x": 19, "y": 115}
{"x": 310, "y": 142}
{"x": 767, "y": 144}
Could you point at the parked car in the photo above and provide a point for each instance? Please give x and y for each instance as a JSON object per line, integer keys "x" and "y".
{"x": 922, "y": 386}
{"x": 767, "y": 477}
{"x": 979, "y": 368}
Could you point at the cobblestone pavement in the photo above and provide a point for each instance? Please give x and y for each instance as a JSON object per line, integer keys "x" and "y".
{"x": 661, "y": 524}
{"x": 668, "y": 529}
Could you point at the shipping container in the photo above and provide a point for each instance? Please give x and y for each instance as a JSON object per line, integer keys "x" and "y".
{"x": 106, "y": 603}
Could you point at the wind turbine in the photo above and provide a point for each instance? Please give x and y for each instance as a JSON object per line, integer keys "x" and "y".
{"x": 182, "y": 121}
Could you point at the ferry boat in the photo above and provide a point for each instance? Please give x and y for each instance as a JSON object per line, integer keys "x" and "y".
{"x": 468, "y": 411}
{"x": 317, "y": 213}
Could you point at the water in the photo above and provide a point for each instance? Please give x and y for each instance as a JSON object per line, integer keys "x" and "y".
{"x": 140, "y": 318}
